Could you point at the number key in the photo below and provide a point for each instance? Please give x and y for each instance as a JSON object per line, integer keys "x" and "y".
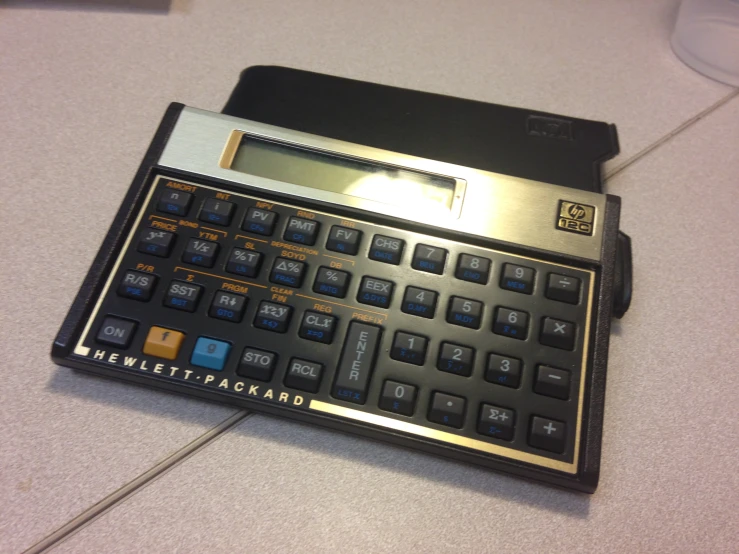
{"x": 465, "y": 312}
{"x": 421, "y": 302}
{"x": 429, "y": 258}
{"x": 511, "y": 323}
{"x": 517, "y": 278}
{"x": 457, "y": 359}
{"x": 503, "y": 370}
{"x": 473, "y": 269}
{"x": 409, "y": 348}
{"x": 398, "y": 398}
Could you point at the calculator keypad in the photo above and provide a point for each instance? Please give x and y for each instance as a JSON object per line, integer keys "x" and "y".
{"x": 469, "y": 341}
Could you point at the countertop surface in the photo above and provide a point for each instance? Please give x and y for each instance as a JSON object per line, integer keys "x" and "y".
{"x": 90, "y": 464}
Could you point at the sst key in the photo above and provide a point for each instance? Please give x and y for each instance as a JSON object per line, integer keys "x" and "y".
{"x": 356, "y": 364}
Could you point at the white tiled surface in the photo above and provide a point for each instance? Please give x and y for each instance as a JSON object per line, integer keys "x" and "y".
{"x": 669, "y": 481}
{"x": 81, "y": 93}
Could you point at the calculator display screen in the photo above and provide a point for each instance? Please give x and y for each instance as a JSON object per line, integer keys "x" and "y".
{"x": 319, "y": 170}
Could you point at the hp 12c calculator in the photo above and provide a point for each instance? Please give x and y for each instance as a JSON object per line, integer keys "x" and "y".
{"x": 457, "y": 311}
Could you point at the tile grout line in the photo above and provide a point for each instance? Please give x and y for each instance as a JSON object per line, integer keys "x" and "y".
{"x": 690, "y": 122}
{"x": 113, "y": 499}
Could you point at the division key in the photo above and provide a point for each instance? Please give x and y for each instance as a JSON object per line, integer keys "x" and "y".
{"x": 357, "y": 362}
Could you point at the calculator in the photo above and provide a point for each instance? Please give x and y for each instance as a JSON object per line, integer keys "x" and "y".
{"x": 460, "y": 312}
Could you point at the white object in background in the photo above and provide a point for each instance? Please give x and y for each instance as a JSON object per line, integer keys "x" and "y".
{"x": 706, "y": 38}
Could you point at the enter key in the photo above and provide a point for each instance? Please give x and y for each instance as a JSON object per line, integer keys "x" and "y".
{"x": 357, "y": 362}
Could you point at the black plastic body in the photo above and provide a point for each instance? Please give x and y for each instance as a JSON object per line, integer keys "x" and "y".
{"x": 534, "y": 145}
{"x": 586, "y": 477}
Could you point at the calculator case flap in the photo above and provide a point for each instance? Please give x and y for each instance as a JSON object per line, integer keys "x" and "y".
{"x": 524, "y": 143}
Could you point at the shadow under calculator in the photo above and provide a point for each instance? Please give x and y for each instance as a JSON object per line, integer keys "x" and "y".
{"x": 412, "y": 462}
{"x": 131, "y": 396}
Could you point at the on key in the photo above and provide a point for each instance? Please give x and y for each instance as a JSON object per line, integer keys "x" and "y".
{"x": 357, "y": 362}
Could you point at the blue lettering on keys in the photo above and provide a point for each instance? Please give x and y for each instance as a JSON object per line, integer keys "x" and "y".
{"x": 515, "y": 285}
{"x": 474, "y": 275}
{"x": 173, "y": 208}
{"x": 214, "y": 217}
{"x": 503, "y": 378}
{"x": 425, "y": 264}
{"x": 196, "y": 259}
{"x": 346, "y": 393}
{"x": 152, "y": 248}
{"x": 463, "y": 318}
{"x": 509, "y": 331}
{"x": 396, "y": 405}
{"x": 287, "y": 279}
{"x": 269, "y": 323}
{"x": 416, "y": 308}
{"x": 134, "y": 291}
{"x": 223, "y": 312}
{"x": 340, "y": 246}
{"x": 374, "y": 298}
{"x": 328, "y": 289}
{"x": 297, "y": 237}
{"x": 178, "y": 301}
{"x": 257, "y": 228}
{"x": 382, "y": 255}
{"x": 312, "y": 333}
{"x": 493, "y": 430}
